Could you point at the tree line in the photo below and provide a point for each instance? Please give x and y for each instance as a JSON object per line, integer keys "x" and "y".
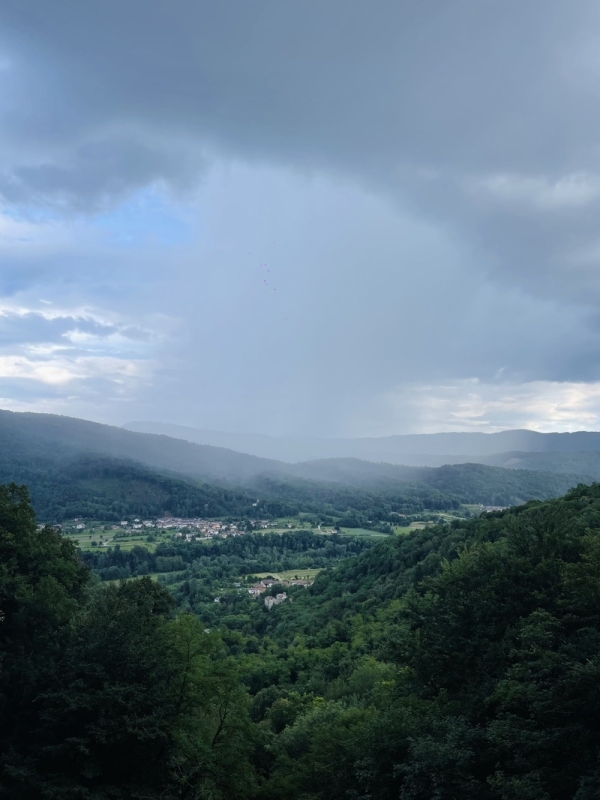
{"x": 233, "y": 556}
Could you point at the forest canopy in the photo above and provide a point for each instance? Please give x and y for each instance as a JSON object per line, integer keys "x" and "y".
{"x": 457, "y": 661}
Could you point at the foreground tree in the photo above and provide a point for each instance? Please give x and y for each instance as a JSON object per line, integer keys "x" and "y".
{"x": 105, "y": 694}
{"x": 505, "y": 650}
{"x": 41, "y": 586}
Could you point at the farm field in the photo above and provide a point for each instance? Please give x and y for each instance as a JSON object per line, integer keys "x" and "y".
{"x": 362, "y": 532}
{"x": 280, "y": 530}
{"x": 95, "y": 531}
{"x": 85, "y": 538}
{"x": 285, "y": 526}
{"x": 290, "y": 574}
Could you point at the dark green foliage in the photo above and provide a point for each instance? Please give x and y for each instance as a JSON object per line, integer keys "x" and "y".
{"x": 41, "y": 585}
{"x": 105, "y": 722}
{"x": 107, "y": 489}
{"x": 359, "y": 505}
{"x": 459, "y": 662}
{"x": 233, "y": 556}
{"x": 463, "y": 664}
{"x": 103, "y": 693}
{"x": 585, "y": 464}
{"x": 46, "y": 442}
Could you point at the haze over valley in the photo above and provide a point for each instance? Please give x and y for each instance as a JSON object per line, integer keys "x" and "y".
{"x": 55, "y": 454}
{"x": 507, "y": 448}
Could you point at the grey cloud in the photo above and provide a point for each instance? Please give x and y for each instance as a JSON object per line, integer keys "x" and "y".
{"x": 34, "y": 328}
{"x": 135, "y": 334}
{"x": 465, "y": 85}
{"x": 479, "y": 118}
{"x": 97, "y": 393}
{"x": 97, "y": 175}
{"x": 364, "y": 302}
{"x": 425, "y": 101}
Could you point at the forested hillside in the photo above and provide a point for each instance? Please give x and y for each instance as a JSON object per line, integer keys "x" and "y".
{"x": 79, "y": 468}
{"x": 586, "y": 465}
{"x": 50, "y": 440}
{"x": 472, "y": 483}
{"x": 107, "y": 694}
{"x": 458, "y": 662}
{"x": 108, "y": 489}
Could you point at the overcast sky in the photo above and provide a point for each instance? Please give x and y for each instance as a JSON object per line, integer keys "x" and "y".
{"x": 333, "y": 217}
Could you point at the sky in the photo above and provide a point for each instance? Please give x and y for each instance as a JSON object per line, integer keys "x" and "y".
{"x": 330, "y": 218}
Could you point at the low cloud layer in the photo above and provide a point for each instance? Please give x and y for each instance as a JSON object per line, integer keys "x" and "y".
{"x": 301, "y": 218}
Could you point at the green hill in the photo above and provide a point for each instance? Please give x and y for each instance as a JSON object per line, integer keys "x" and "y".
{"x": 110, "y": 489}
{"x": 48, "y": 453}
{"x": 455, "y": 662}
{"x": 51, "y": 440}
{"x": 585, "y": 464}
{"x": 472, "y": 483}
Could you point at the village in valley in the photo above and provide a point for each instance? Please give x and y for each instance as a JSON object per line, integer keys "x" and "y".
{"x": 127, "y": 533}
{"x": 196, "y": 528}
{"x": 147, "y": 533}
{"x": 269, "y": 589}
{"x": 99, "y": 534}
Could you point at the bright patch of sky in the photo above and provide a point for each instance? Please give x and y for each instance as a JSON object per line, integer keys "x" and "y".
{"x": 148, "y": 218}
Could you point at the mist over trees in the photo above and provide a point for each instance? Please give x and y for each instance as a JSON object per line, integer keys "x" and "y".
{"x": 78, "y": 468}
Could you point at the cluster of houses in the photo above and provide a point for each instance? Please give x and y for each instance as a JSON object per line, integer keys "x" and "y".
{"x": 274, "y": 601}
{"x": 185, "y": 528}
{"x": 257, "y": 589}
{"x": 136, "y": 525}
{"x": 196, "y": 528}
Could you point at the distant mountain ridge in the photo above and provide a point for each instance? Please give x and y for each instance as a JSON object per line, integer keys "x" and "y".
{"x": 45, "y": 449}
{"x": 55, "y": 438}
{"x": 428, "y": 449}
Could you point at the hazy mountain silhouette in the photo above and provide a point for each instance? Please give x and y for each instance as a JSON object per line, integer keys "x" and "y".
{"x": 432, "y": 449}
{"x": 35, "y": 445}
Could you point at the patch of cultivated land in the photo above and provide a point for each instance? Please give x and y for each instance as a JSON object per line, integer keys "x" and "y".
{"x": 84, "y": 539}
{"x": 360, "y": 532}
{"x": 285, "y": 526}
{"x": 290, "y": 574}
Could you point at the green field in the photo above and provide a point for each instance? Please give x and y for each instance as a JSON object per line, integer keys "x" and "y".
{"x": 362, "y": 532}
{"x": 290, "y": 574}
{"x": 282, "y": 525}
{"x": 278, "y": 530}
{"x": 84, "y": 539}
{"x": 94, "y": 532}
